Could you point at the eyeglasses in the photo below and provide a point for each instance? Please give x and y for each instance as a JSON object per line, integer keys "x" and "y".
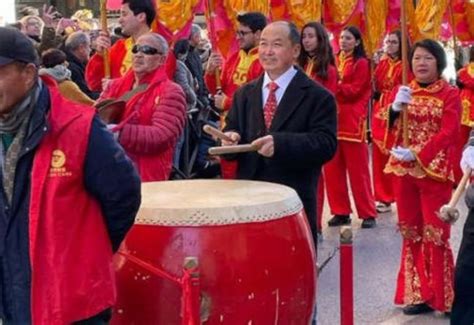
{"x": 145, "y": 49}
{"x": 242, "y": 33}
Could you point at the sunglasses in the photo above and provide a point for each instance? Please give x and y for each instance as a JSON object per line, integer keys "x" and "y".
{"x": 145, "y": 49}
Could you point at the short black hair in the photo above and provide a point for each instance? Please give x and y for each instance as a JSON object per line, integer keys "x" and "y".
{"x": 359, "y": 50}
{"x": 145, "y": 6}
{"x": 181, "y": 47}
{"x": 254, "y": 20}
{"x": 435, "y": 49}
{"x": 52, "y": 57}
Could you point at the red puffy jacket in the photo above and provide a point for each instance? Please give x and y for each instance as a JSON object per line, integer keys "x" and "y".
{"x": 152, "y": 123}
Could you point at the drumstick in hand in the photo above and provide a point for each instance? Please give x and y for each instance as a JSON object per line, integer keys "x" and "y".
{"x": 224, "y": 150}
{"x": 216, "y": 133}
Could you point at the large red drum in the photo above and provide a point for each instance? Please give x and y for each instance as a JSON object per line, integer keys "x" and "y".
{"x": 253, "y": 244}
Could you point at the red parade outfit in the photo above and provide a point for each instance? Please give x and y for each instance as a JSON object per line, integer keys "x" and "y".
{"x": 330, "y": 83}
{"x": 387, "y": 75}
{"x": 152, "y": 122}
{"x": 352, "y": 96}
{"x": 120, "y": 63}
{"x": 466, "y": 78}
{"x": 422, "y": 186}
{"x": 238, "y": 68}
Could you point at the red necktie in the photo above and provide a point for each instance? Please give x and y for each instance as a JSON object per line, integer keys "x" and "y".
{"x": 271, "y": 104}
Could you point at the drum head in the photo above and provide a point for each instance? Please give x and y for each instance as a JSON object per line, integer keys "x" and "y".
{"x": 215, "y": 202}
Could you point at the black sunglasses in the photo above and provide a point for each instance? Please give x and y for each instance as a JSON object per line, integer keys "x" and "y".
{"x": 145, "y": 49}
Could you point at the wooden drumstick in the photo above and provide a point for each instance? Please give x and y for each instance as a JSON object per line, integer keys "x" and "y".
{"x": 224, "y": 150}
{"x": 216, "y": 133}
{"x": 448, "y": 212}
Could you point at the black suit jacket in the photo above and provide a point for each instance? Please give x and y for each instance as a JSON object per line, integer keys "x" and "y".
{"x": 304, "y": 133}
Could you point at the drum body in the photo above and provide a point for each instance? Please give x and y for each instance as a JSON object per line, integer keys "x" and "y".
{"x": 256, "y": 258}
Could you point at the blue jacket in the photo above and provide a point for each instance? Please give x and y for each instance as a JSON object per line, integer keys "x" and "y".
{"x": 106, "y": 165}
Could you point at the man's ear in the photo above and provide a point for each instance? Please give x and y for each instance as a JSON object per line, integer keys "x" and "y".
{"x": 30, "y": 72}
{"x": 142, "y": 17}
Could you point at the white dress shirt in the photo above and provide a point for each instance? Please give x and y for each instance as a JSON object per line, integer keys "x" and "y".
{"x": 282, "y": 81}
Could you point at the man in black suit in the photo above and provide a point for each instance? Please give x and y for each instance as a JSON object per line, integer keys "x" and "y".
{"x": 290, "y": 118}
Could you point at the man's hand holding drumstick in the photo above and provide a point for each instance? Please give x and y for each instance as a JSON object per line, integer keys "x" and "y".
{"x": 230, "y": 143}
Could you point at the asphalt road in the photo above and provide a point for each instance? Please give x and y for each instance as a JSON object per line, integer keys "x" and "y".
{"x": 376, "y": 262}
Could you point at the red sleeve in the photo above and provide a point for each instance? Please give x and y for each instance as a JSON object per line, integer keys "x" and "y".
{"x": 167, "y": 123}
{"x": 95, "y": 72}
{"x": 95, "y": 67}
{"x": 331, "y": 82}
{"x": 448, "y": 131}
{"x": 358, "y": 81}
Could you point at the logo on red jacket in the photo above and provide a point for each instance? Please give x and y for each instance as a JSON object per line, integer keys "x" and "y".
{"x": 58, "y": 162}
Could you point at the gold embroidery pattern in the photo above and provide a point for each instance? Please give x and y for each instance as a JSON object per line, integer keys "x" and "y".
{"x": 424, "y": 121}
{"x": 434, "y": 235}
{"x": 127, "y": 60}
{"x": 240, "y": 74}
{"x": 410, "y": 233}
{"x": 465, "y": 114}
{"x": 448, "y": 280}
{"x": 412, "y": 280}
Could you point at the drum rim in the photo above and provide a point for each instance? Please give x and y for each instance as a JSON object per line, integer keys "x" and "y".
{"x": 289, "y": 204}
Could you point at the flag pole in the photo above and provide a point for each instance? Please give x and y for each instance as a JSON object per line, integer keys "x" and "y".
{"x": 404, "y": 55}
{"x": 210, "y": 13}
{"x": 104, "y": 26}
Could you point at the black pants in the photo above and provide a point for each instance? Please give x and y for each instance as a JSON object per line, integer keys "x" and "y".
{"x": 463, "y": 306}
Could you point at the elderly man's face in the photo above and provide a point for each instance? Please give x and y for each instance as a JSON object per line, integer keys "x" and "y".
{"x": 16, "y": 79}
{"x": 276, "y": 51}
{"x": 149, "y": 56}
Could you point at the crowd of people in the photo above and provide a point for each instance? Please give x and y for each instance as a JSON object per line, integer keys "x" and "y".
{"x": 304, "y": 106}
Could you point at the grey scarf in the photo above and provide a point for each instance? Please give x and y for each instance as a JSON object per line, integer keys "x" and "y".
{"x": 16, "y": 124}
{"x": 11, "y": 122}
{"x": 59, "y": 72}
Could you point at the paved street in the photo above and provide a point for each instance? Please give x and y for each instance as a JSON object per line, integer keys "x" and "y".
{"x": 376, "y": 261}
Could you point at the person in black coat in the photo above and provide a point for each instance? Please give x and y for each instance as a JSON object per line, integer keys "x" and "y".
{"x": 301, "y": 136}
{"x": 78, "y": 49}
{"x": 463, "y": 306}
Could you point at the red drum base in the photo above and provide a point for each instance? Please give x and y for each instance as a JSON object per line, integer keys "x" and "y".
{"x": 258, "y": 272}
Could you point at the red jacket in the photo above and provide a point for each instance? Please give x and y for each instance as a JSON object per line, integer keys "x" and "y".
{"x": 433, "y": 126}
{"x": 352, "y": 96}
{"x": 152, "y": 123}
{"x": 387, "y": 75}
{"x": 330, "y": 83}
{"x": 238, "y": 69}
{"x": 71, "y": 279}
{"x": 120, "y": 63}
{"x": 466, "y": 78}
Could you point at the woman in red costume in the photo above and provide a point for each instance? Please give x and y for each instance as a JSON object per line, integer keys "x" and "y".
{"x": 387, "y": 75}
{"x": 317, "y": 60}
{"x": 352, "y": 156}
{"x": 466, "y": 84}
{"x": 423, "y": 169}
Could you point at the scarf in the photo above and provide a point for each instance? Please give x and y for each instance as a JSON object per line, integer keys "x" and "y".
{"x": 15, "y": 125}
{"x": 59, "y": 72}
{"x": 10, "y": 122}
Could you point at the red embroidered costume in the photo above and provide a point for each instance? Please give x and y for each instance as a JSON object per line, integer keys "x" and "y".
{"x": 421, "y": 188}
{"x": 239, "y": 68}
{"x": 352, "y": 156}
